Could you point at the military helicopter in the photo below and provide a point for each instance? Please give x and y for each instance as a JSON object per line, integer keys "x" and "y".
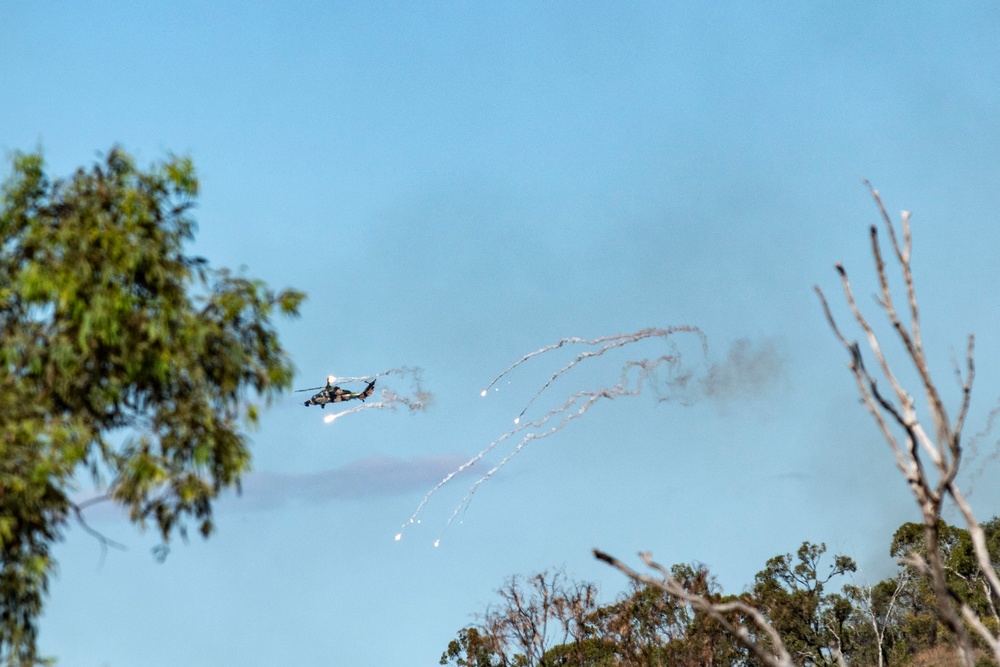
{"x": 334, "y": 394}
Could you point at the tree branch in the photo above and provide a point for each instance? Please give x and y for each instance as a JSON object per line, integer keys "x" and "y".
{"x": 102, "y": 539}
{"x": 716, "y": 610}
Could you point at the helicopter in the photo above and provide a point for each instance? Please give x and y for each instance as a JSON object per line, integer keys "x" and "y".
{"x": 334, "y": 394}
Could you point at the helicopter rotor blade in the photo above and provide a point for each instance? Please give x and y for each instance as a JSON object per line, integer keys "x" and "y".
{"x": 310, "y": 389}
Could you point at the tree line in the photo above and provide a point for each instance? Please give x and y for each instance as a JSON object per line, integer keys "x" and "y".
{"x": 823, "y": 615}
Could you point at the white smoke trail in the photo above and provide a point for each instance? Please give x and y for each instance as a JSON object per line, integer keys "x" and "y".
{"x": 610, "y": 343}
{"x": 613, "y": 341}
{"x": 575, "y": 406}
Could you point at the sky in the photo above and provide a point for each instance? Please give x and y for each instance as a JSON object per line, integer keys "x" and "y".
{"x": 459, "y": 184}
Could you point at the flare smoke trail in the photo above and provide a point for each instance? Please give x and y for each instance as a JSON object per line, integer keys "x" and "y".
{"x": 414, "y": 400}
{"x": 609, "y": 343}
{"x": 633, "y": 375}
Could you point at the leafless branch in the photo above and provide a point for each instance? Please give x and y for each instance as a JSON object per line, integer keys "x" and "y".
{"x": 944, "y": 449}
{"x": 103, "y": 540}
{"x": 718, "y": 611}
{"x": 896, "y": 413}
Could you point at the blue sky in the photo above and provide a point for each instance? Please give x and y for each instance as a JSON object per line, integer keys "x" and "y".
{"x": 456, "y": 185}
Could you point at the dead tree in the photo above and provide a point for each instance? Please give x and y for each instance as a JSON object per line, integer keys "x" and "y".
{"x": 895, "y": 411}
{"x": 536, "y": 615}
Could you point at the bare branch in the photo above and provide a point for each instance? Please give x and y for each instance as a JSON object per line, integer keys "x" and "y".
{"x": 944, "y": 449}
{"x": 718, "y": 611}
{"x": 907, "y": 459}
{"x": 976, "y": 623}
{"x": 963, "y": 411}
{"x": 102, "y": 539}
{"x": 896, "y": 413}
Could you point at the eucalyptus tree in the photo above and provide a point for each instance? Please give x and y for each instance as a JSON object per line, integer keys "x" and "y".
{"x": 122, "y": 357}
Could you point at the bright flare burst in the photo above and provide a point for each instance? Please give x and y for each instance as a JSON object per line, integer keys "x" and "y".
{"x": 633, "y": 375}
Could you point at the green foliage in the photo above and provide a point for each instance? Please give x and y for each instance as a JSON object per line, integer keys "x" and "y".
{"x": 542, "y": 620}
{"x": 647, "y": 627}
{"x": 121, "y": 355}
{"x": 792, "y": 592}
{"x": 471, "y": 649}
{"x": 965, "y": 579}
{"x": 890, "y": 623}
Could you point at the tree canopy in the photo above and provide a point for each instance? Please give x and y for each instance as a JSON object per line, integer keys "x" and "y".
{"x": 819, "y": 617}
{"x": 122, "y": 357}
